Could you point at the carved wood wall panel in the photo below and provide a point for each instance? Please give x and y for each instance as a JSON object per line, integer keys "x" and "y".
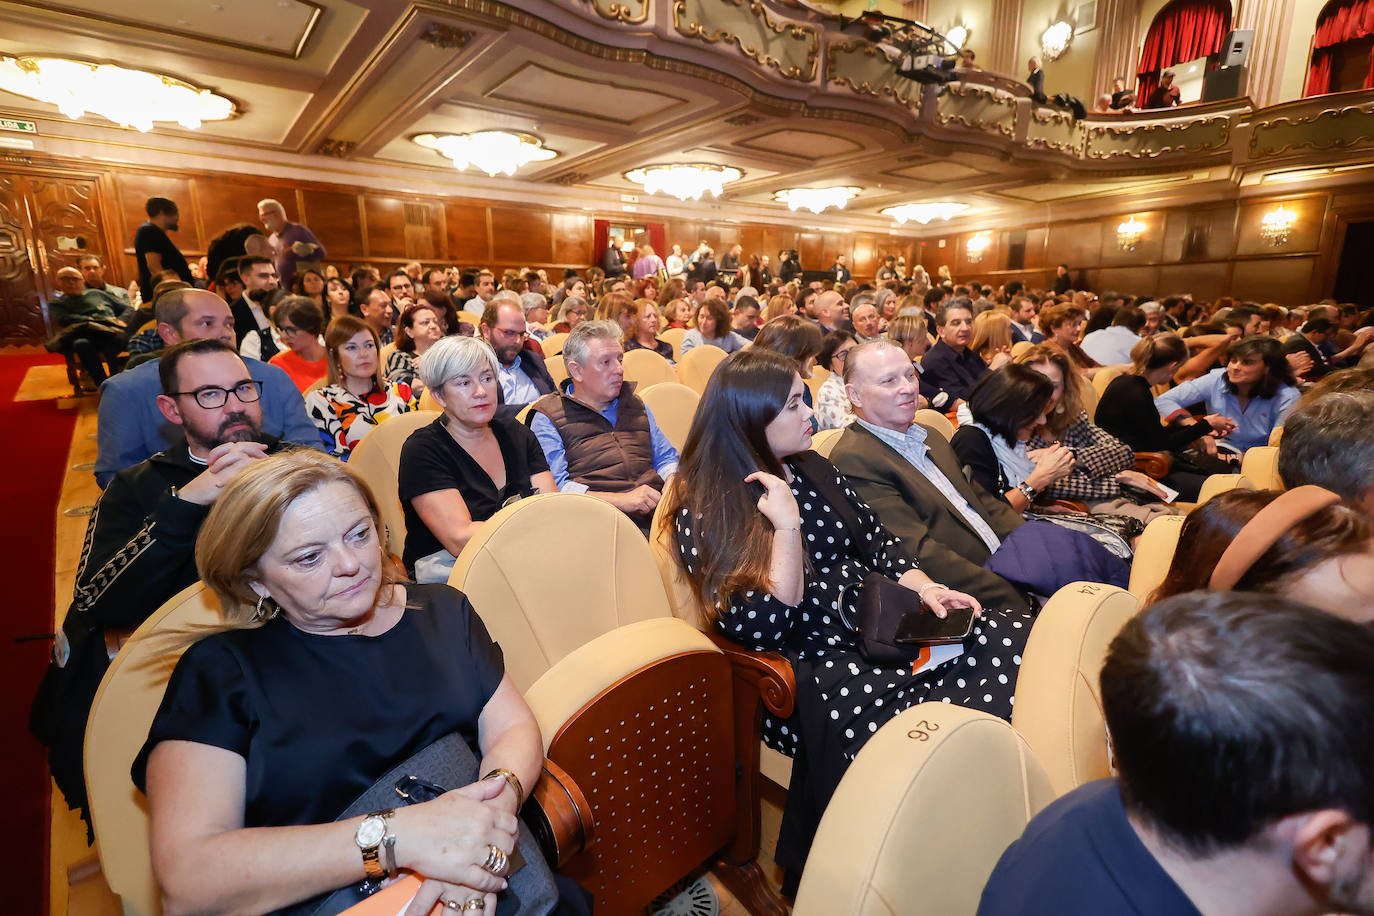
{"x": 21, "y": 309}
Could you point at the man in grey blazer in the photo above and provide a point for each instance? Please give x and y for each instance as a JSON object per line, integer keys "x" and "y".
{"x": 910, "y": 476}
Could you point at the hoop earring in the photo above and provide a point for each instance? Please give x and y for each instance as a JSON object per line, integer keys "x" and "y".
{"x": 260, "y": 613}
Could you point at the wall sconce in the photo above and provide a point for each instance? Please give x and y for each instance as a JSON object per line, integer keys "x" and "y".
{"x": 1128, "y": 234}
{"x": 1277, "y": 226}
{"x": 1055, "y": 40}
{"x": 956, "y": 36}
{"x": 975, "y": 248}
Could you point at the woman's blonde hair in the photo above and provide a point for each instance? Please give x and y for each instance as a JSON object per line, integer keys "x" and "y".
{"x": 246, "y": 517}
{"x": 991, "y": 333}
{"x": 907, "y": 327}
{"x": 778, "y": 306}
{"x": 340, "y": 331}
{"x": 1070, "y": 405}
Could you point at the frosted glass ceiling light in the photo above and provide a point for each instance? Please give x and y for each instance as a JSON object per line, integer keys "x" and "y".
{"x": 924, "y": 213}
{"x": 1055, "y": 40}
{"x": 816, "y": 199}
{"x": 130, "y": 98}
{"x": 495, "y": 152}
{"x": 685, "y": 181}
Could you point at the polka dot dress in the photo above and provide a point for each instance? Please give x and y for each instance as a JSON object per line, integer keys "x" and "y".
{"x": 856, "y": 697}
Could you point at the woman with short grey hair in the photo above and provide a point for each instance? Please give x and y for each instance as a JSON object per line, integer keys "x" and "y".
{"x": 460, "y": 470}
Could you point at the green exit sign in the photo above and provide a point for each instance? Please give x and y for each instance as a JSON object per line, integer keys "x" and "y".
{"x": 22, "y": 127}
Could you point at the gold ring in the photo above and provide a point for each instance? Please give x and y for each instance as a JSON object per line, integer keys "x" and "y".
{"x": 496, "y": 859}
{"x": 475, "y": 903}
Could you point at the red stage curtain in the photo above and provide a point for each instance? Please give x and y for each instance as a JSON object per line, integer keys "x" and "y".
{"x": 1340, "y": 21}
{"x": 1184, "y": 30}
{"x": 658, "y": 237}
{"x": 601, "y": 237}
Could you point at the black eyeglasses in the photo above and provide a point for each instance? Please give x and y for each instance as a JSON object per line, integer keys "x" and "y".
{"x": 212, "y": 396}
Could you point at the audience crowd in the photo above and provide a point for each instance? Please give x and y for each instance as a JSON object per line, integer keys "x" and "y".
{"x": 233, "y": 391}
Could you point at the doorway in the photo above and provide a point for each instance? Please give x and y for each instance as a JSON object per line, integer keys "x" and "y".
{"x": 46, "y": 223}
{"x": 1355, "y": 273}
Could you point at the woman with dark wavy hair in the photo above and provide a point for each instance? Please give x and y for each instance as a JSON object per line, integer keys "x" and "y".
{"x": 1254, "y": 392}
{"x": 773, "y": 541}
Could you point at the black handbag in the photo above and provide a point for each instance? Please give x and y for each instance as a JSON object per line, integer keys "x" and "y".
{"x": 879, "y": 610}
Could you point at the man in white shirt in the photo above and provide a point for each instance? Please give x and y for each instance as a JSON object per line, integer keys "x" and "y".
{"x": 257, "y": 339}
{"x": 1112, "y": 345}
{"x": 523, "y": 376}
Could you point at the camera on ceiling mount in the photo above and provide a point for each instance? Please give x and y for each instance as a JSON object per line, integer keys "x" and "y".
{"x": 922, "y": 52}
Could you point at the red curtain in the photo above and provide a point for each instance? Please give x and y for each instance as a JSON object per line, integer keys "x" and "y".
{"x": 1340, "y": 21}
{"x": 658, "y": 237}
{"x": 601, "y": 237}
{"x": 1184, "y": 30}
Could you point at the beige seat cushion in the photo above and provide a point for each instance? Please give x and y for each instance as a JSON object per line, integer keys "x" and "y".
{"x": 694, "y": 368}
{"x": 824, "y": 441}
{"x": 553, "y": 344}
{"x": 1154, "y": 553}
{"x": 121, "y": 715}
{"x": 553, "y": 572}
{"x": 936, "y": 421}
{"x": 558, "y": 369}
{"x": 378, "y": 460}
{"x": 1261, "y": 465}
{"x": 922, "y": 816}
{"x": 1220, "y": 483}
{"x": 648, "y": 368}
{"x": 1058, "y": 700}
{"x": 673, "y": 405}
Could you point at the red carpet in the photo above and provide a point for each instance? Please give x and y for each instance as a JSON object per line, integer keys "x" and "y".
{"x": 37, "y": 438}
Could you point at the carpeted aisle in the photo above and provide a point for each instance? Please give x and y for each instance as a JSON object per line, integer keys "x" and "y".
{"x": 37, "y": 436}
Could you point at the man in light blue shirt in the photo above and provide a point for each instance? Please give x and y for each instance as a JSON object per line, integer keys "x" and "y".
{"x": 1112, "y": 346}
{"x": 1254, "y": 392}
{"x": 130, "y": 428}
{"x": 599, "y": 438}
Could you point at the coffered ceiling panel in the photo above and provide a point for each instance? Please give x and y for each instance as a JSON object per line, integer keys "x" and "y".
{"x": 602, "y": 99}
{"x": 802, "y": 144}
{"x": 937, "y": 171}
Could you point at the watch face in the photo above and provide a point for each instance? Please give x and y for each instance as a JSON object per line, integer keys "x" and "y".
{"x": 370, "y": 832}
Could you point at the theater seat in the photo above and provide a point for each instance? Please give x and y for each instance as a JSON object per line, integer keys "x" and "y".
{"x": 817, "y": 379}
{"x": 674, "y": 336}
{"x": 1154, "y": 553}
{"x": 936, "y": 421}
{"x": 648, "y": 368}
{"x": 1276, "y": 435}
{"x": 1220, "y": 483}
{"x": 673, "y": 405}
{"x": 695, "y": 367}
{"x": 1261, "y": 465}
{"x": 824, "y": 441}
{"x": 121, "y": 715}
{"x": 1058, "y": 701}
{"x": 553, "y": 344}
{"x": 558, "y": 369}
{"x": 1021, "y": 346}
{"x": 922, "y": 816}
{"x": 1088, "y": 394}
{"x": 1104, "y": 377}
{"x": 378, "y": 460}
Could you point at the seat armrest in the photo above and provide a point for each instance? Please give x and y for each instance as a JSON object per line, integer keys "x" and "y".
{"x": 559, "y": 816}
{"x": 767, "y": 672}
{"x": 1154, "y": 464}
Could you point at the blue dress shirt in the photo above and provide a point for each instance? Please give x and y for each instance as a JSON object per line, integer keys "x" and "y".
{"x": 1254, "y": 422}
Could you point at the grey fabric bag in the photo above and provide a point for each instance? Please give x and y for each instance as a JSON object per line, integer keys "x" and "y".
{"x": 447, "y": 764}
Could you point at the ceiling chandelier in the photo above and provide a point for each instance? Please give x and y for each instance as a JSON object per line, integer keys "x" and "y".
{"x": 685, "y": 181}
{"x": 816, "y": 199}
{"x": 1055, "y": 40}
{"x": 130, "y": 98}
{"x": 924, "y": 213}
{"x": 495, "y": 152}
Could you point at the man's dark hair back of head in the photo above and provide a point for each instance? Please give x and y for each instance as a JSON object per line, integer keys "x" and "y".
{"x": 935, "y": 294}
{"x": 248, "y": 262}
{"x": 1129, "y": 318}
{"x": 156, "y": 206}
{"x": 172, "y": 357}
{"x": 1230, "y": 711}
{"x": 1012, "y": 288}
{"x": 1318, "y": 326}
{"x": 1329, "y": 442}
{"x": 467, "y": 278}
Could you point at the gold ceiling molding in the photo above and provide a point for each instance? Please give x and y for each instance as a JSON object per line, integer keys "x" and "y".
{"x": 631, "y": 11}
{"x": 1344, "y": 128}
{"x": 863, "y": 67}
{"x": 446, "y": 37}
{"x": 336, "y": 149}
{"x": 1152, "y": 141}
{"x": 978, "y": 109}
{"x": 791, "y": 49}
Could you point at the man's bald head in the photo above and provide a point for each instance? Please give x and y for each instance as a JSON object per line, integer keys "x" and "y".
{"x": 827, "y": 306}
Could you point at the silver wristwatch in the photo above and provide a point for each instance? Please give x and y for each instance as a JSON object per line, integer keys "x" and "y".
{"x": 373, "y": 837}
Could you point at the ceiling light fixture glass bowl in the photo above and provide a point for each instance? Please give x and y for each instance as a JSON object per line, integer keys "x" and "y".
{"x": 816, "y": 199}
{"x": 924, "y": 213}
{"x": 691, "y": 180}
{"x": 496, "y": 152}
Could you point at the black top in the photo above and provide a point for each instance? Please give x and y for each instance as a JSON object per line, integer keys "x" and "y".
{"x": 979, "y": 460}
{"x": 151, "y": 238}
{"x": 319, "y": 719}
{"x": 432, "y": 460}
{"x": 1127, "y": 411}
{"x": 1081, "y": 855}
{"x": 954, "y": 371}
{"x": 661, "y": 347}
{"x": 1321, "y": 366}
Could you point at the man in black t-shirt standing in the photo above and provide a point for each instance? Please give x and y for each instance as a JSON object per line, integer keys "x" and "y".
{"x": 153, "y": 250}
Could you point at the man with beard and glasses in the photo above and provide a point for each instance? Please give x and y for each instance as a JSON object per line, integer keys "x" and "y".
{"x": 131, "y": 426}
{"x": 141, "y": 538}
{"x": 253, "y": 329}
{"x": 154, "y": 251}
{"x": 523, "y": 377}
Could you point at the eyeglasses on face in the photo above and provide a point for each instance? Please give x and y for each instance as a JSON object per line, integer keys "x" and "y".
{"x": 211, "y": 397}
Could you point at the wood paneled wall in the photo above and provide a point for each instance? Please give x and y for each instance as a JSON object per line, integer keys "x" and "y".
{"x": 1210, "y": 250}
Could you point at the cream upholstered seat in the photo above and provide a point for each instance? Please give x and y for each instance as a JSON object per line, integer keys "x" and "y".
{"x": 427, "y": 402}
{"x": 937, "y": 421}
{"x": 558, "y": 369}
{"x": 673, "y": 405}
{"x": 1261, "y": 465}
{"x": 1058, "y": 701}
{"x": 1276, "y": 435}
{"x": 121, "y": 715}
{"x": 1220, "y": 483}
{"x": 378, "y": 460}
{"x": 553, "y": 572}
{"x": 1088, "y": 394}
{"x": 473, "y": 319}
{"x": 553, "y": 344}
{"x": 648, "y": 368}
{"x": 694, "y": 368}
{"x": 921, "y": 817}
{"x": 1154, "y": 553}
{"x": 1104, "y": 377}
{"x": 817, "y": 379}
{"x": 1021, "y": 346}
{"x": 824, "y": 441}
{"x": 674, "y": 336}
